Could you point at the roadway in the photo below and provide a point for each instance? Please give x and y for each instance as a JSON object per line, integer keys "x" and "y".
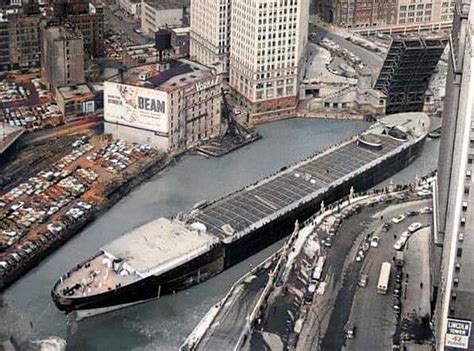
{"x": 373, "y": 61}
{"x": 372, "y": 313}
{"x": 124, "y": 26}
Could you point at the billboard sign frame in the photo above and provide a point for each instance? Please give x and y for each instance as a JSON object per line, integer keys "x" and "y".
{"x": 136, "y": 106}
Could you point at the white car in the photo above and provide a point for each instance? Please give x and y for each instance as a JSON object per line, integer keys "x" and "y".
{"x": 426, "y": 210}
{"x": 423, "y": 193}
{"x": 400, "y": 243}
{"x": 414, "y": 227}
{"x": 398, "y": 219}
{"x": 374, "y": 242}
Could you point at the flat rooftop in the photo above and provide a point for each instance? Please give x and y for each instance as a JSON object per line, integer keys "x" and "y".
{"x": 168, "y": 4}
{"x": 73, "y": 91}
{"x": 62, "y": 33}
{"x": 159, "y": 246}
{"x": 260, "y": 202}
{"x": 183, "y": 73}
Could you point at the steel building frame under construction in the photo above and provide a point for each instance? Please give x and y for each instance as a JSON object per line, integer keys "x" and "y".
{"x": 406, "y": 72}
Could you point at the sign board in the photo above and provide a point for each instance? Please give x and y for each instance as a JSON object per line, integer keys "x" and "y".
{"x": 457, "y": 333}
{"x": 206, "y": 84}
{"x": 136, "y": 106}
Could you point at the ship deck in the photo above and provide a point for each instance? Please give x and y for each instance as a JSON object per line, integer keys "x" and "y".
{"x": 151, "y": 249}
{"x": 233, "y": 214}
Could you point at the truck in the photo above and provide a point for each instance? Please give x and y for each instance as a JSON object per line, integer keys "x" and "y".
{"x": 384, "y": 278}
{"x": 318, "y": 270}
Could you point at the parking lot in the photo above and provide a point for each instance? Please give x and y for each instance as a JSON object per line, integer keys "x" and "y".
{"x": 40, "y": 210}
{"x": 25, "y": 103}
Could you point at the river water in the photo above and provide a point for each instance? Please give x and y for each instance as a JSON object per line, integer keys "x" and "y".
{"x": 163, "y": 324}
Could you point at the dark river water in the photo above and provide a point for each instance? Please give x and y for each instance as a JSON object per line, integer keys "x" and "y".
{"x": 163, "y": 324}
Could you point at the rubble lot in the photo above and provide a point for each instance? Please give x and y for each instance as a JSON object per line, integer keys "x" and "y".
{"x": 41, "y": 209}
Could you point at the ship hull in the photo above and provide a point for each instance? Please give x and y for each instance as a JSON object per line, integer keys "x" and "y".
{"x": 191, "y": 273}
{"x": 223, "y": 256}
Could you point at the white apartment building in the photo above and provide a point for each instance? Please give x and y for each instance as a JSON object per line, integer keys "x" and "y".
{"x": 160, "y": 14}
{"x": 267, "y": 46}
{"x": 210, "y": 33}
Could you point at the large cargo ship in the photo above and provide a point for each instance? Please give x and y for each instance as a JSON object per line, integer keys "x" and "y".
{"x": 168, "y": 255}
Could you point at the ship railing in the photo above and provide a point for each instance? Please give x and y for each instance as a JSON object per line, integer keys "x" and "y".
{"x": 76, "y": 268}
{"x": 284, "y": 169}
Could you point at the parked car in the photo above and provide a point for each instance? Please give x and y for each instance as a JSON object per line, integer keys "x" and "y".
{"x": 374, "y": 242}
{"x": 414, "y": 227}
{"x": 350, "y": 330}
{"x": 363, "y": 280}
{"x": 398, "y": 219}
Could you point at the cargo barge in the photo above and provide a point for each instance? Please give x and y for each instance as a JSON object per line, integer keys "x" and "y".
{"x": 168, "y": 255}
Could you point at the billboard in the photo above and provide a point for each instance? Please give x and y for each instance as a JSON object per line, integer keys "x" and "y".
{"x": 457, "y": 333}
{"x": 136, "y": 106}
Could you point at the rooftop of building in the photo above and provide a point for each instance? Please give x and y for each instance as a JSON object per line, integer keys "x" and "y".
{"x": 168, "y": 4}
{"x": 74, "y": 91}
{"x": 62, "y": 33}
{"x": 181, "y": 73}
{"x": 181, "y": 31}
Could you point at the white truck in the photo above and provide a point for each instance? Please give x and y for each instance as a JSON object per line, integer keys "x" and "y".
{"x": 318, "y": 270}
{"x": 384, "y": 278}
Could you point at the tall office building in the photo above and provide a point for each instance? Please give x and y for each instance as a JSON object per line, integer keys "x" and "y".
{"x": 454, "y": 308}
{"x": 210, "y": 33}
{"x": 267, "y": 46}
{"x": 62, "y": 56}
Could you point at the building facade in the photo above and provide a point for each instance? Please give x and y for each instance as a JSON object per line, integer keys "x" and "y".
{"x": 455, "y": 212}
{"x": 88, "y": 17}
{"x": 267, "y": 53}
{"x": 132, "y": 7}
{"x": 19, "y": 40}
{"x": 75, "y": 101}
{"x": 62, "y": 57}
{"x": 180, "y": 42}
{"x": 210, "y": 33}
{"x": 172, "y": 110}
{"x": 385, "y": 13}
{"x": 160, "y": 14}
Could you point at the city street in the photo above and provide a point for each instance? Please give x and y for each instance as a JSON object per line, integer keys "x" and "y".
{"x": 124, "y": 26}
{"x": 372, "y": 313}
{"x": 373, "y": 61}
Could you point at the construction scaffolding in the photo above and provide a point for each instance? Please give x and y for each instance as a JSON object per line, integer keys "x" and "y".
{"x": 407, "y": 70}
